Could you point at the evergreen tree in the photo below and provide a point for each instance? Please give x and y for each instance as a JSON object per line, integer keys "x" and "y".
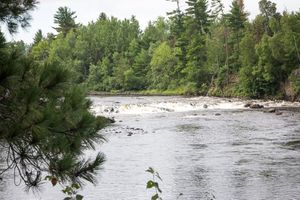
{"x": 218, "y": 9}
{"x": 236, "y": 19}
{"x": 65, "y": 20}
{"x": 38, "y": 37}
{"x": 268, "y": 11}
{"x": 45, "y": 122}
{"x": 155, "y": 32}
{"x": 237, "y": 16}
{"x": 199, "y": 18}
{"x": 15, "y": 13}
{"x": 177, "y": 34}
{"x": 198, "y": 22}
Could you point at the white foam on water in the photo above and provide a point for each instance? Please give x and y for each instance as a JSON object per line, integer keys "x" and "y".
{"x": 179, "y": 104}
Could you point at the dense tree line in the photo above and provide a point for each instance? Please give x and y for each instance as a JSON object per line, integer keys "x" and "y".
{"x": 199, "y": 50}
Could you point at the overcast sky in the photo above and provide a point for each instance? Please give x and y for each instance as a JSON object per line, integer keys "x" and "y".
{"x": 144, "y": 10}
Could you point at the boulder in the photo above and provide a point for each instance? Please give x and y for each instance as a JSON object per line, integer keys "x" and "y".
{"x": 247, "y": 105}
{"x": 111, "y": 120}
{"x": 130, "y": 134}
{"x": 271, "y": 110}
{"x": 205, "y": 106}
{"x": 256, "y": 106}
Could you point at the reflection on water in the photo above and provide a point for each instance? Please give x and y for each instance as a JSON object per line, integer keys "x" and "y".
{"x": 224, "y": 151}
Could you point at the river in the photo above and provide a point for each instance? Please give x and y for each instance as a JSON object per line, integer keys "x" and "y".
{"x": 205, "y": 148}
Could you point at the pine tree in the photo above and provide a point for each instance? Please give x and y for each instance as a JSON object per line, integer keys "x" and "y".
{"x": 16, "y": 13}
{"x": 65, "y": 20}
{"x": 38, "y": 37}
{"x": 177, "y": 35}
{"x": 237, "y": 16}
{"x": 45, "y": 122}
{"x": 198, "y": 21}
{"x": 268, "y": 11}
{"x": 236, "y": 20}
{"x": 198, "y": 15}
{"x": 218, "y": 9}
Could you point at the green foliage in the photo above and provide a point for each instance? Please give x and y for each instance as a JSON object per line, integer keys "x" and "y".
{"x": 65, "y": 20}
{"x": 248, "y": 56}
{"x": 268, "y": 11}
{"x": 38, "y": 37}
{"x": 155, "y": 32}
{"x": 45, "y": 120}
{"x": 71, "y": 191}
{"x": 236, "y": 20}
{"x": 237, "y": 16}
{"x": 163, "y": 67}
{"x": 295, "y": 81}
{"x": 198, "y": 16}
{"x": 200, "y": 49}
{"x": 152, "y": 184}
{"x": 217, "y": 9}
{"x": 16, "y": 13}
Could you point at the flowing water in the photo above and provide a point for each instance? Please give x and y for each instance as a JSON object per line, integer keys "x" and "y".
{"x": 205, "y": 148}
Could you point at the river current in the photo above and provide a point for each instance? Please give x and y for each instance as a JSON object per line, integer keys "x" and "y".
{"x": 203, "y": 148}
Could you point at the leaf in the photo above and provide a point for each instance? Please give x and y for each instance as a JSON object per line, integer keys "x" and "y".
{"x": 155, "y": 197}
{"x": 79, "y": 197}
{"x": 158, "y": 176}
{"x": 157, "y": 187}
{"x": 150, "y": 170}
{"x": 76, "y": 186}
{"x": 48, "y": 178}
{"x": 150, "y": 184}
{"x": 67, "y": 190}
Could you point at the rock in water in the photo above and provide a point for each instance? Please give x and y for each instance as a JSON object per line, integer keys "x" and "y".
{"x": 256, "y": 106}
{"x": 130, "y": 134}
{"x": 247, "y": 105}
{"x": 111, "y": 120}
{"x": 271, "y": 110}
{"x": 205, "y": 106}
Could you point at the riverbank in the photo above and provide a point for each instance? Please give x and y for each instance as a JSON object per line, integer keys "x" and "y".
{"x": 141, "y": 93}
{"x": 183, "y": 93}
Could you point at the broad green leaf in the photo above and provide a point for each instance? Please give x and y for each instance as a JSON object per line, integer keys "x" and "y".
{"x": 75, "y": 185}
{"x": 79, "y": 197}
{"x": 155, "y": 197}
{"x": 150, "y": 184}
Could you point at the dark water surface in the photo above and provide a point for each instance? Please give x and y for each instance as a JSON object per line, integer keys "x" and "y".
{"x": 224, "y": 152}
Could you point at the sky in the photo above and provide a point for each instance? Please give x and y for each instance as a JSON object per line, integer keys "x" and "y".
{"x": 144, "y": 10}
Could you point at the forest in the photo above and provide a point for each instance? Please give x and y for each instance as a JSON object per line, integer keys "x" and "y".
{"x": 201, "y": 50}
